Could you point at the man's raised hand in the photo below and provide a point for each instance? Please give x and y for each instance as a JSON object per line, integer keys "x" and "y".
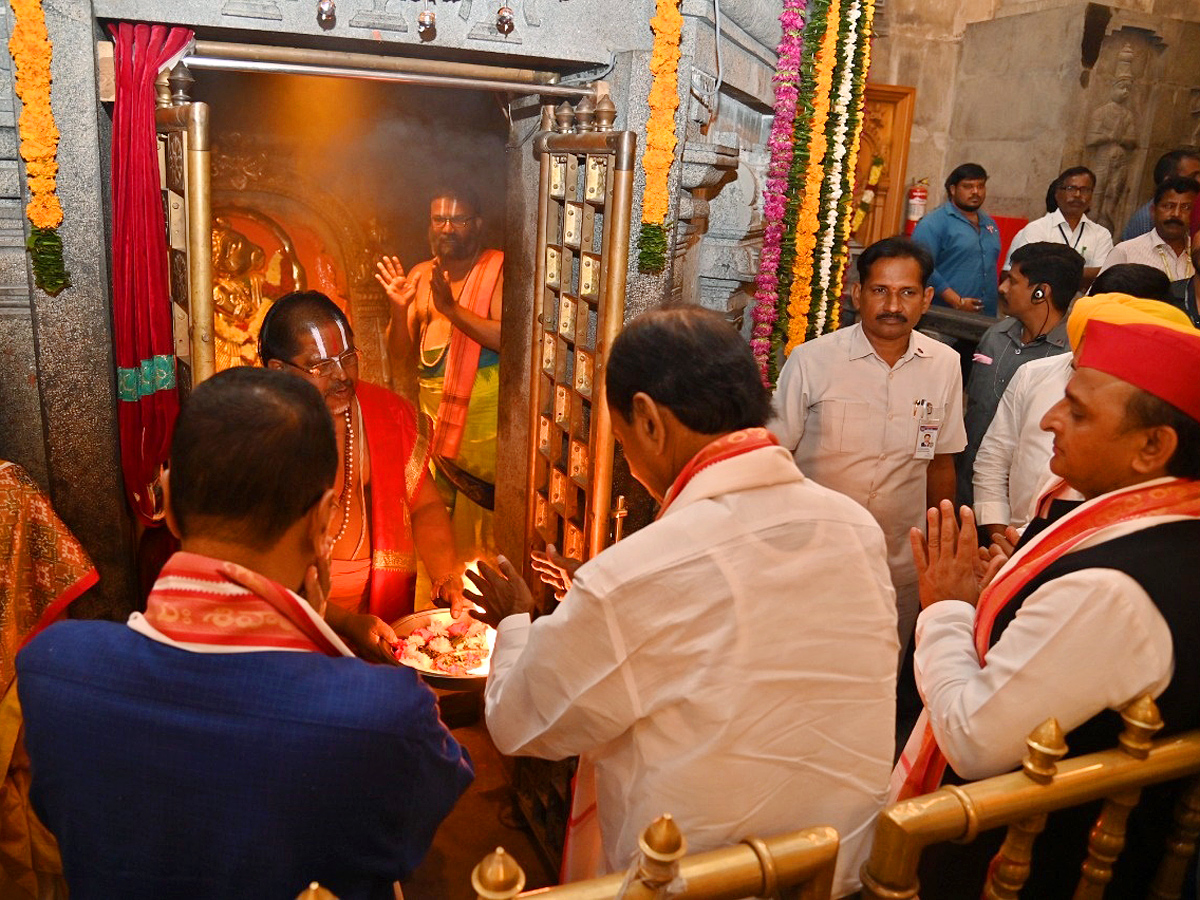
{"x": 440, "y": 292}
{"x": 947, "y": 556}
{"x": 501, "y": 593}
{"x": 400, "y": 289}
{"x": 554, "y": 569}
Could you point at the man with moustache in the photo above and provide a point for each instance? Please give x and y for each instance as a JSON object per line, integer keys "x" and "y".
{"x": 854, "y": 407}
{"x": 1066, "y": 222}
{"x": 445, "y": 322}
{"x": 1166, "y": 246}
{"x": 964, "y": 242}
{"x": 388, "y": 512}
{"x": 1182, "y": 162}
{"x": 1185, "y": 290}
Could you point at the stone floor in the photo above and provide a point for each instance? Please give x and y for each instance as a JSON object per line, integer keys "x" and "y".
{"x": 485, "y": 817}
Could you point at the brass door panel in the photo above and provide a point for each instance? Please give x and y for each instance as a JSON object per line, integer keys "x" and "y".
{"x": 185, "y": 167}
{"x": 585, "y": 193}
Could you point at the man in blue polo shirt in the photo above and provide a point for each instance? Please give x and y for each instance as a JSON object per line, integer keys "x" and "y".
{"x": 964, "y": 242}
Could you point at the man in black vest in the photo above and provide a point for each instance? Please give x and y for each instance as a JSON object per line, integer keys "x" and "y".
{"x": 1094, "y": 607}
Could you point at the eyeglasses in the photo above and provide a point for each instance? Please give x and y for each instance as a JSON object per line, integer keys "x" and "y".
{"x": 455, "y": 221}
{"x": 1076, "y": 189}
{"x": 324, "y": 368}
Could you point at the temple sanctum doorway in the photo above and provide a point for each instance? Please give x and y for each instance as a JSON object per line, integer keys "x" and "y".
{"x": 312, "y": 179}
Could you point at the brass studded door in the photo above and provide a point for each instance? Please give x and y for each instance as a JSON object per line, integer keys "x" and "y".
{"x": 582, "y": 254}
{"x": 185, "y": 168}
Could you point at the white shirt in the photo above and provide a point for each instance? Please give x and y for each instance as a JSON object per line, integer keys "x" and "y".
{"x": 1088, "y": 641}
{"x": 1014, "y": 457}
{"x": 851, "y": 422}
{"x": 1150, "y": 249}
{"x": 1093, "y": 242}
{"x": 733, "y": 663}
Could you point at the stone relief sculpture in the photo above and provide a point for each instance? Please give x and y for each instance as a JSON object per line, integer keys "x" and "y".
{"x": 1112, "y": 138}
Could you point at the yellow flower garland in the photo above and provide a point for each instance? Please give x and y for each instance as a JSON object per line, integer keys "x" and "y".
{"x": 864, "y": 28}
{"x": 31, "y": 52}
{"x": 664, "y": 99}
{"x": 807, "y": 222}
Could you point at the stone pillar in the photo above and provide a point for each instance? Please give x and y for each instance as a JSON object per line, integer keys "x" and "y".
{"x": 72, "y": 333}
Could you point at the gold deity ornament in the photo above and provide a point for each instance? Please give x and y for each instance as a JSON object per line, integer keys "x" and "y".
{"x": 497, "y": 877}
{"x": 238, "y": 279}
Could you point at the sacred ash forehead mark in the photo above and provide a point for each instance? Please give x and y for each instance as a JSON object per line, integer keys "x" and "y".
{"x": 315, "y": 332}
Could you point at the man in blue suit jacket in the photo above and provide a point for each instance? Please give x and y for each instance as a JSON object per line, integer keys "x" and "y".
{"x": 226, "y": 743}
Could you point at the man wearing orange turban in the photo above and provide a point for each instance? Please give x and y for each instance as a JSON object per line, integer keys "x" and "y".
{"x": 1011, "y": 467}
{"x": 1090, "y": 611}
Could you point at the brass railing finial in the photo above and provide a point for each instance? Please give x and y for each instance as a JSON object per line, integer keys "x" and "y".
{"x": 662, "y": 845}
{"x": 181, "y": 82}
{"x": 606, "y": 113}
{"x": 162, "y": 89}
{"x": 585, "y": 114}
{"x": 564, "y": 116}
{"x": 1142, "y": 722}
{"x": 315, "y": 892}
{"x": 1046, "y": 747}
{"x": 497, "y": 877}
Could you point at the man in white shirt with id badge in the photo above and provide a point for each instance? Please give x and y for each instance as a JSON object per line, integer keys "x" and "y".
{"x": 874, "y": 411}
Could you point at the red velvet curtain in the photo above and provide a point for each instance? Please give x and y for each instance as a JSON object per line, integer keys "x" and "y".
{"x": 147, "y": 399}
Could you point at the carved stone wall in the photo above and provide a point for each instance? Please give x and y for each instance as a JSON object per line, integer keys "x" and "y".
{"x": 1100, "y": 86}
{"x": 574, "y": 31}
{"x": 1011, "y": 84}
{"x": 724, "y": 156}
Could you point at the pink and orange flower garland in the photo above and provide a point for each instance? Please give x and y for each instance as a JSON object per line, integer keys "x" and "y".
{"x": 777, "y": 198}
{"x": 814, "y": 139}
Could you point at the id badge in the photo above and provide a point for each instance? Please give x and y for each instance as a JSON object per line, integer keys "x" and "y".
{"x": 927, "y": 435}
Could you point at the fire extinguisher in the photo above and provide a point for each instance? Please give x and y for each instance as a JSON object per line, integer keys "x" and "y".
{"x": 918, "y": 197}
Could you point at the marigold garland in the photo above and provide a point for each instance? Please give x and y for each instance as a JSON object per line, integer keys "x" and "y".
{"x": 659, "y": 154}
{"x": 32, "y": 52}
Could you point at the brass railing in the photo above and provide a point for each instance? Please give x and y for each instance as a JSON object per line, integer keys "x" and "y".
{"x": 1023, "y": 799}
{"x": 797, "y": 865}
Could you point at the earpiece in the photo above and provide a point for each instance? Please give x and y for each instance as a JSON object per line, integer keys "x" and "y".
{"x": 1039, "y": 296}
